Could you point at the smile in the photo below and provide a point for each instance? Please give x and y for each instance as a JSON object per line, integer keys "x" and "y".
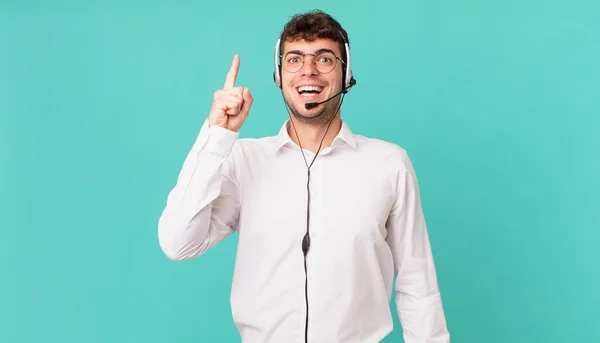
{"x": 309, "y": 91}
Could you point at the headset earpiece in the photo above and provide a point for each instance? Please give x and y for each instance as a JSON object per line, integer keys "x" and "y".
{"x": 277, "y": 66}
{"x": 348, "y": 80}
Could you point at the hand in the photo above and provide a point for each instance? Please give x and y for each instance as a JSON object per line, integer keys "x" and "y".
{"x": 231, "y": 105}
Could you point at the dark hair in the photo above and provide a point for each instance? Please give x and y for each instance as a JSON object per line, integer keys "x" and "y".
{"x": 313, "y": 25}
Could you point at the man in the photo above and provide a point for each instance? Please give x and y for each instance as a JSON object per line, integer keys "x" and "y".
{"x": 325, "y": 217}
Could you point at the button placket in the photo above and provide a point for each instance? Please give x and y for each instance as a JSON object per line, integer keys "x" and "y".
{"x": 316, "y": 205}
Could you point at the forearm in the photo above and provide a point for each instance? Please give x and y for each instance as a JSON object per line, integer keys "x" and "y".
{"x": 189, "y": 223}
{"x": 418, "y": 299}
{"x": 422, "y": 318}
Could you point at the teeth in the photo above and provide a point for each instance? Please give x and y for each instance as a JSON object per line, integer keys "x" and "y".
{"x": 309, "y": 88}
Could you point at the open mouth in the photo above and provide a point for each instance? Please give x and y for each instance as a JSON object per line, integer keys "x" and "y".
{"x": 309, "y": 91}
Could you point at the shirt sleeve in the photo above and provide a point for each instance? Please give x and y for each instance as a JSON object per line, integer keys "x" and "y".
{"x": 203, "y": 206}
{"x": 418, "y": 299}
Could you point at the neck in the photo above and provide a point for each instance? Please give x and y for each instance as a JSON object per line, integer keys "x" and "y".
{"x": 311, "y": 135}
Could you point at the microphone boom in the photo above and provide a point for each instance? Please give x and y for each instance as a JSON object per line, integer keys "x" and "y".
{"x": 311, "y": 105}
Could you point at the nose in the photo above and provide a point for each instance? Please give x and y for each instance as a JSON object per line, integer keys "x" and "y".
{"x": 309, "y": 67}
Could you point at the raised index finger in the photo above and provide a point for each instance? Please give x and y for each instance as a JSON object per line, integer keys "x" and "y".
{"x": 233, "y": 72}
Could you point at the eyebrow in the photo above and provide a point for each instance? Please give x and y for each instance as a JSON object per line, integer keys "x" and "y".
{"x": 316, "y": 52}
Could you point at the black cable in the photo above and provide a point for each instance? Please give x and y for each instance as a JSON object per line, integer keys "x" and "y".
{"x": 306, "y": 238}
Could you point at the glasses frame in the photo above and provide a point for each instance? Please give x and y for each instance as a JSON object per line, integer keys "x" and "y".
{"x": 313, "y": 61}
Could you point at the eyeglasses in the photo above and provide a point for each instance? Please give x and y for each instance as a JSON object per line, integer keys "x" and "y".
{"x": 324, "y": 61}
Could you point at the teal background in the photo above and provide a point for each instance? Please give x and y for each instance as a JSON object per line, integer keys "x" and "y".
{"x": 497, "y": 103}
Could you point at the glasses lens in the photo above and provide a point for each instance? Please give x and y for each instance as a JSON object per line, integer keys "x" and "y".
{"x": 292, "y": 62}
{"x": 325, "y": 62}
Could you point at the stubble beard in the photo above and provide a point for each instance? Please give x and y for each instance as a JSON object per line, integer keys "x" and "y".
{"x": 319, "y": 116}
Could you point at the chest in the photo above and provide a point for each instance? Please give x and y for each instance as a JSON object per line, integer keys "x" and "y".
{"x": 341, "y": 197}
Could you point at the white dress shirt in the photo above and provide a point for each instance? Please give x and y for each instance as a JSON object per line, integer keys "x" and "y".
{"x": 366, "y": 224}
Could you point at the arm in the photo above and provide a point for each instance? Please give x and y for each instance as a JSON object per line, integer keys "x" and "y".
{"x": 418, "y": 300}
{"x": 202, "y": 209}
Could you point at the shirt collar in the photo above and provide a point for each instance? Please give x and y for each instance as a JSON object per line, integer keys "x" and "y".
{"x": 344, "y": 136}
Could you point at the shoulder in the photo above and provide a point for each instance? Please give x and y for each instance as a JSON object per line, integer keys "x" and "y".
{"x": 387, "y": 152}
{"x": 253, "y": 148}
{"x": 255, "y": 143}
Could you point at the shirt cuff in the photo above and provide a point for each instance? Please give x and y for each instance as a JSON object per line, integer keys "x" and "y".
{"x": 219, "y": 141}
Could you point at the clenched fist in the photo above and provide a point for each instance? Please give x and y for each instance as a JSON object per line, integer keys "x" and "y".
{"x": 231, "y": 104}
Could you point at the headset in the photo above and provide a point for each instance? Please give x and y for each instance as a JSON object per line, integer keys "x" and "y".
{"x": 349, "y": 80}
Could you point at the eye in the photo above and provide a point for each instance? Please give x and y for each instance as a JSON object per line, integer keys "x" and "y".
{"x": 293, "y": 59}
{"x": 325, "y": 59}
